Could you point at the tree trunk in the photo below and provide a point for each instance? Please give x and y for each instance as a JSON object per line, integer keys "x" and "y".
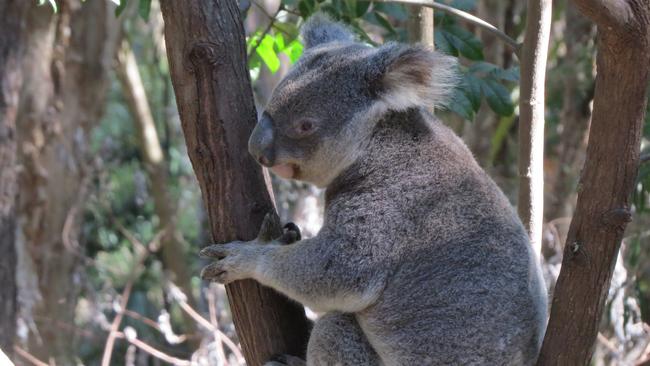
{"x": 207, "y": 56}
{"x": 530, "y": 204}
{"x": 608, "y": 178}
{"x": 11, "y": 48}
{"x": 66, "y": 81}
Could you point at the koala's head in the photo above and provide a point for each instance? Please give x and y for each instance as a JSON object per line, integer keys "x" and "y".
{"x": 322, "y": 112}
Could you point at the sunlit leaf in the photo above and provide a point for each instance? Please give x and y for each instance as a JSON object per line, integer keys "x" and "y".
{"x": 267, "y": 52}
{"x": 293, "y": 50}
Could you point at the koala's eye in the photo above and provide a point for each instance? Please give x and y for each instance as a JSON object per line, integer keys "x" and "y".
{"x": 304, "y": 127}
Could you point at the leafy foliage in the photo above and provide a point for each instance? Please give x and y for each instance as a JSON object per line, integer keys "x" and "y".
{"x": 480, "y": 80}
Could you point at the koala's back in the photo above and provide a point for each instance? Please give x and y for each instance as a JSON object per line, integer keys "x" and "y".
{"x": 463, "y": 286}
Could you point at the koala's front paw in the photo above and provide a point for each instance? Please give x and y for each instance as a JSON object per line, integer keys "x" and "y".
{"x": 290, "y": 234}
{"x": 236, "y": 261}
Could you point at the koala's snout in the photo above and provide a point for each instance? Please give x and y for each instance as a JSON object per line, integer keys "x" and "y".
{"x": 260, "y": 144}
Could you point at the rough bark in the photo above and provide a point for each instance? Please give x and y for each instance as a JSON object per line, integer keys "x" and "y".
{"x": 207, "y": 56}
{"x": 602, "y": 211}
{"x": 530, "y": 203}
{"x": 67, "y": 78}
{"x": 11, "y": 52}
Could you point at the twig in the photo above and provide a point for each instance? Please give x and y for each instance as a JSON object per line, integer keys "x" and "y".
{"x": 213, "y": 320}
{"x": 607, "y": 343}
{"x": 205, "y": 323}
{"x": 153, "y": 351}
{"x": 29, "y": 357}
{"x": 465, "y": 16}
{"x": 126, "y": 293}
{"x": 115, "y": 325}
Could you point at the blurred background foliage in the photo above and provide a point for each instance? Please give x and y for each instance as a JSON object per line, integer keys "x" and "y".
{"x": 120, "y": 228}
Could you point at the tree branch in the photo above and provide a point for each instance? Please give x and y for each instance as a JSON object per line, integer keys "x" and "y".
{"x": 609, "y": 14}
{"x": 465, "y": 16}
{"x": 531, "y": 119}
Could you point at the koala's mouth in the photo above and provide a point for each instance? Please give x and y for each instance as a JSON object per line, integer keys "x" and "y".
{"x": 286, "y": 171}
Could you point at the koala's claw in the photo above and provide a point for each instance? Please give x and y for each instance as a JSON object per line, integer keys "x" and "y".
{"x": 213, "y": 272}
{"x": 234, "y": 262}
{"x": 218, "y": 251}
{"x": 290, "y": 234}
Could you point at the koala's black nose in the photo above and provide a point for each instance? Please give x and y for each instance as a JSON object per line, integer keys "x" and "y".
{"x": 260, "y": 144}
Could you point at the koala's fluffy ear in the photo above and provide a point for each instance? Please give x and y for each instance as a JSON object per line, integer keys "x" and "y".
{"x": 320, "y": 29}
{"x": 404, "y": 76}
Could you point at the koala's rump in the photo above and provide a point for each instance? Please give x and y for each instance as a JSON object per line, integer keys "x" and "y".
{"x": 462, "y": 303}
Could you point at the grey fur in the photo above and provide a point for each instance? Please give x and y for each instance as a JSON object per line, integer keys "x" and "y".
{"x": 319, "y": 29}
{"x": 421, "y": 259}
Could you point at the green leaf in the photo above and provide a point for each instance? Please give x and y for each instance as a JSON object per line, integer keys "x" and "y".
{"x": 279, "y": 42}
{"x": 266, "y": 51}
{"x": 293, "y": 50}
{"x": 442, "y": 44}
{"x": 362, "y": 8}
{"x": 144, "y": 8}
{"x": 463, "y": 41}
{"x": 120, "y": 8}
{"x": 473, "y": 90}
{"x": 306, "y": 8}
{"x": 498, "y": 97}
{"x": 461, "y": 105}
{"x": 496, "y": 72}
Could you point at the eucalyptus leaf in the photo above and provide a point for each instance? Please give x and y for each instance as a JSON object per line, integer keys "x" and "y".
{"x": 267, "y": 52}
{"x": 497, "y": 97}
{"x": 144, "y": 8}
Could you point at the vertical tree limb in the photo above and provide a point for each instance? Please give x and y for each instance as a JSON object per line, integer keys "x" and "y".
{"x": 602, "y": 211}
{"x": 531, "y": 119}
{"x": 11, "y": 48}
{"x": 420, "y": 25}
{"x": 67, "y": 66}
{"x": 207, "y": 56}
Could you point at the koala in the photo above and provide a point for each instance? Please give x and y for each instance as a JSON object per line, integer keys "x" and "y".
{"x": 421, "y": 259}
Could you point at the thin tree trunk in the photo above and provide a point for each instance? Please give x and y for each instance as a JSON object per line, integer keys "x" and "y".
{"x": 173, "y": 256}
{"x": 64, "y": 98}
{"x": 207, "y": 56}
{"x": 420, "y": 25}
{"x": 531, "y": 119}
{"x": 12, "y": 24}
{"x": 607, "y": 181}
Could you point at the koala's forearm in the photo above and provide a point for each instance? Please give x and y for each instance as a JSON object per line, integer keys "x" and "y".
{"x": 318, "y": 276}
